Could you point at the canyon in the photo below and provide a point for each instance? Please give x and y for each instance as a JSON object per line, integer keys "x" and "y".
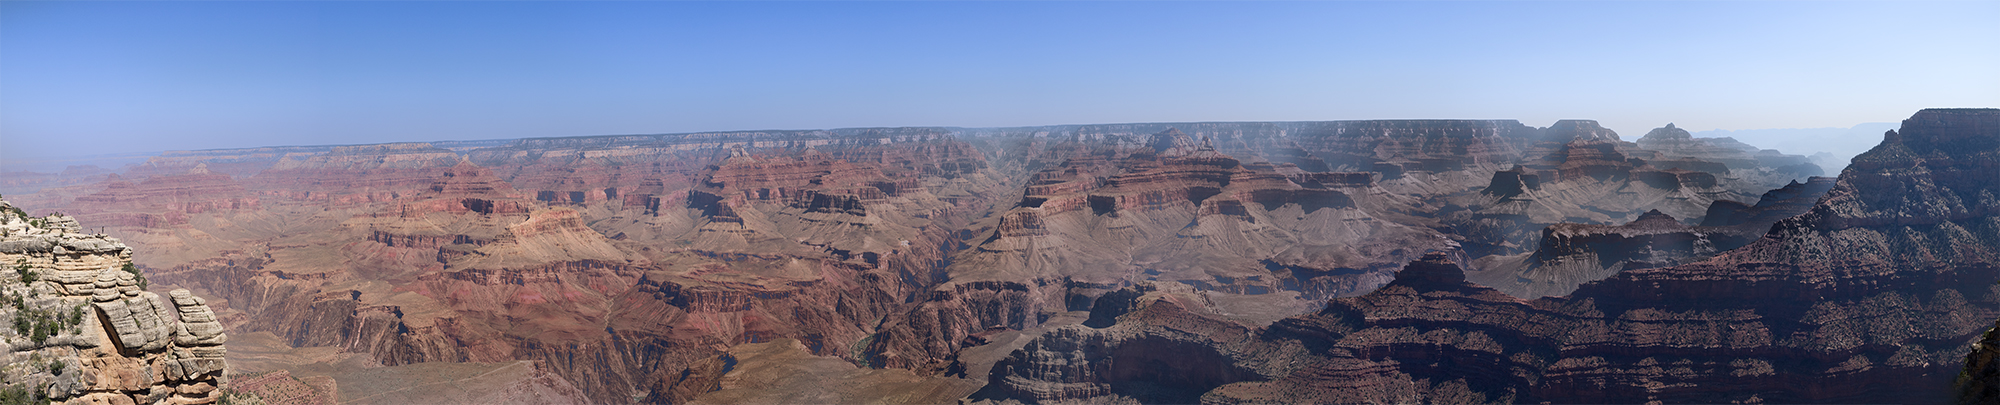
{"x": 1463, "y": 261}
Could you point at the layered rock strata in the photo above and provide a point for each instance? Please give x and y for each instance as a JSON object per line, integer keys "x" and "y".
{"x": 629, "y": 265}
{"x": 1572, "y": 254}
{"x": 86, "y": 332}
{"x": 1569, "y": 255}
{"x": 1874, "y": 295}
{"x": 1194, "y": 216}
{"x": 614, "y": 295}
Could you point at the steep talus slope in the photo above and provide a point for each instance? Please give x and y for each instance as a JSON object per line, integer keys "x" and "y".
{"x": 85, "y": 330}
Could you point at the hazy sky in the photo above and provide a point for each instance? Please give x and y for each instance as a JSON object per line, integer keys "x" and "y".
{"x": 113, "y": 77}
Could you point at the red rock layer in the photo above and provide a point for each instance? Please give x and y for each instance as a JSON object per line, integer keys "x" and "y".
{"x": 624, "y": 262}
{"x": 466, "y": 268}
{"x": 163, "y": 201}
{"x": 1101, "y": 219}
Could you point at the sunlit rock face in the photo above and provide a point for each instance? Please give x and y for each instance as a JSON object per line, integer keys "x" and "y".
{"x": 86, "y": 331}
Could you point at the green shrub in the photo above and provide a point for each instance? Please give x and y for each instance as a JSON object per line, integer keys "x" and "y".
{"x": 44, "y": 328}
{"x": 27, "y": 272}
{"x": 136, "y": 275}
{"x": 15, "y": 394}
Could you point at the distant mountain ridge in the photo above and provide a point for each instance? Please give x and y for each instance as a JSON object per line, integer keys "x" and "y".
{"x": 1840, "y": 144}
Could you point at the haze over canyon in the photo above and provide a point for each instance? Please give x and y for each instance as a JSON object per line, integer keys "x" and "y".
{"x": 1371, "y": 261}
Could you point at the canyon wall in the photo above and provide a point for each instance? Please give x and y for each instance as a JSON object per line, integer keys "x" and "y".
{"x": 628, "y": 268}
{"x": 1873, "y": 295}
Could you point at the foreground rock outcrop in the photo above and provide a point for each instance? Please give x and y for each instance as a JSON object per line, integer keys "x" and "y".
{"x": 84, "y": 329}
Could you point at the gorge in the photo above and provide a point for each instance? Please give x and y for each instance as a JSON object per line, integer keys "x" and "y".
{"x": 1443, "y": 261}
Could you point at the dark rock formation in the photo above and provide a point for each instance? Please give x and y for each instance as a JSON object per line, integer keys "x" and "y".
{"x": 1793, "y": 199}
{"x": 1123, "y": 362}
{"x": 1979, "y": 382}
{"x": 1569, "y": 255}
{"x": 1572, "y": 254}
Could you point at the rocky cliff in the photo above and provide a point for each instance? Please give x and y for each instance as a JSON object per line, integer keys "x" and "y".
{"x": 85, "y": 331}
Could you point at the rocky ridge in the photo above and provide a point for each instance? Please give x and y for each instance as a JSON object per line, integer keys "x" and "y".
{"x": 1572, "y": 254}
{"x": 86, "y": 331}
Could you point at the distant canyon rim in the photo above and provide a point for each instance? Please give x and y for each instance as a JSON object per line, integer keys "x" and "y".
{"x": 1373, "y": 261}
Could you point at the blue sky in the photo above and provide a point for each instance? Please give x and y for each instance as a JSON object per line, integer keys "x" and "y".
{"x": 119, "y": 77}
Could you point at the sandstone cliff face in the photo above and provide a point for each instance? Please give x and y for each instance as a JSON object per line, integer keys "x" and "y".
{"x": 85, "y": 332}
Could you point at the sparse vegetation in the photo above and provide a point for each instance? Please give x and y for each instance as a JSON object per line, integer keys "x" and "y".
{"x": 39, "y": 324}
{"x": 234, "y": 397}
{"x": 26, "y": 272}
{"x": 15, "y": 394}
{"x": 136, "y": 275}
